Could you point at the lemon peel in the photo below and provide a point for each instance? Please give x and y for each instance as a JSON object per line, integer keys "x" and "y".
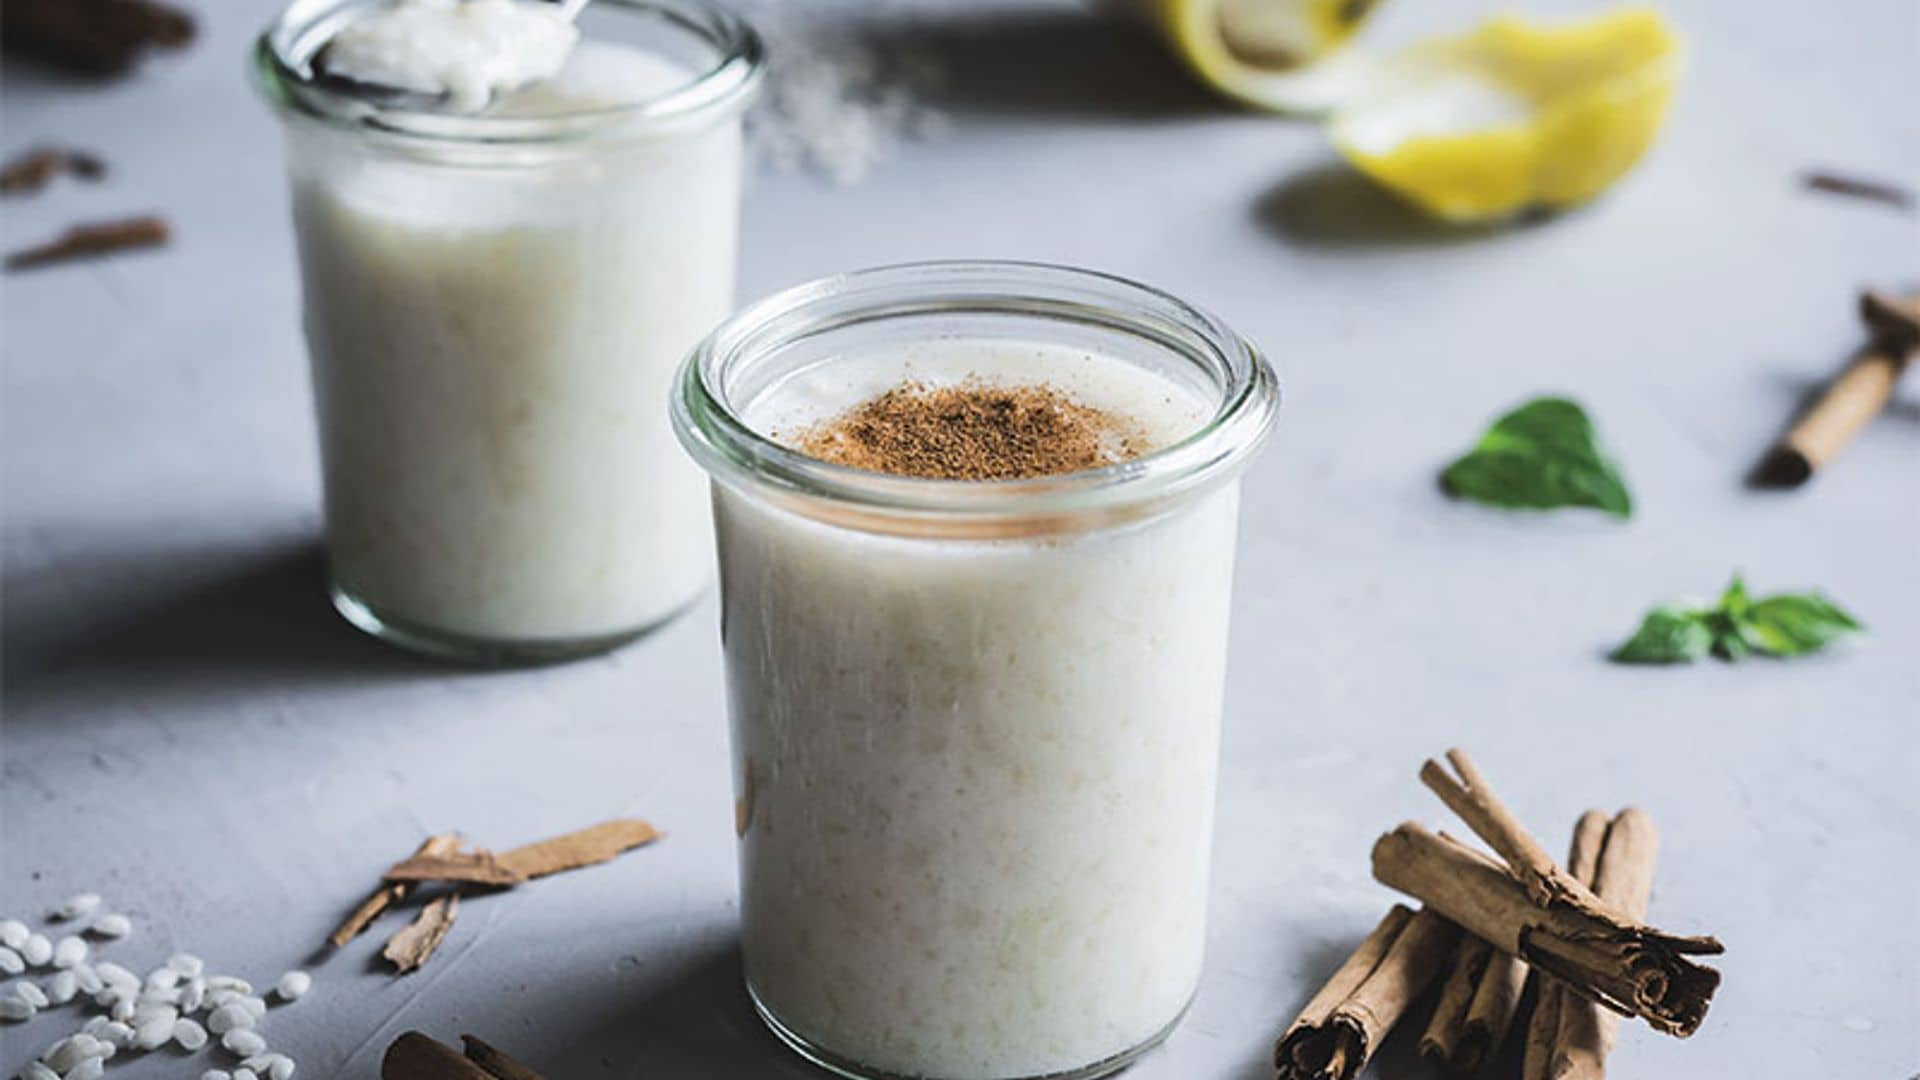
{"x": 1274, "y": 54}
{"x": 1515, "y": 115}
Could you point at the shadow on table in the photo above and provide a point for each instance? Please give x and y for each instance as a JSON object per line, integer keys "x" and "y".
{"x": 1072, "y": 63}
{"x": 1331, "y": 205}
{"x": 695, "y": 1025}
{"x": 141, "y": 625}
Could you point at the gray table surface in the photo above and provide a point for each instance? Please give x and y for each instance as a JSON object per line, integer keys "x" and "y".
{"x": 190, "y": 730}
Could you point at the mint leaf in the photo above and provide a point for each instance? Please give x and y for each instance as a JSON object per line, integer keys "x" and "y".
{"x": 1668, "y": 635}
{"x": 1541, "y": 456}
{"x": 1789, "y": 624}
{"x": 1737, "y": 626}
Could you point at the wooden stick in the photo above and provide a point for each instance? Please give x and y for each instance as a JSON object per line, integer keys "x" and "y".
{"x": 1633, "y": 969}
{"x": 1343, "y": 1024}
{"x": 1550, "y": 995}
{"x": 392, "y": 893}
{"x": 1624, "y": 878}
{"x": 1851, "y": 401}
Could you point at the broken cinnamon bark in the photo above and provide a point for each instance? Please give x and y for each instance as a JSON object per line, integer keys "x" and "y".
{"x": 100, "y": 238}
{"x": 1343, "y": 1024}
{"x": 481, "y": 867}
{"x": 415, "y": 944}
{"x": 92, "y": 37}
{"x": 584, "y": 847}
{"x": 34, "y": 169}
{"x": 1624, "y": 878}
{"x": 1476, "y": 1007}
{"x": 1632, "y": 969}
{"x": 391, "y": 893}
{"x": 1550, "y": 995}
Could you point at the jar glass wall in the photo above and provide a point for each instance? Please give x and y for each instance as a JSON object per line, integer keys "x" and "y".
{"x": 494, "y": 307}
{"x": 975, "y": 724}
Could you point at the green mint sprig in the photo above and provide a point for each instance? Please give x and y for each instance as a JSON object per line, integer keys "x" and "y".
{"x": 1541, "y": 456}
{"x": 1738, "y": 626}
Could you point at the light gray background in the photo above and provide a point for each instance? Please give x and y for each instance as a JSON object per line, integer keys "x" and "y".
{"x": 191, "y": 731}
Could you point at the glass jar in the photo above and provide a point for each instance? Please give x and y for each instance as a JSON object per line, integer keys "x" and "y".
{"x": 494, "y": 308}
{"x": 975, "y": 724}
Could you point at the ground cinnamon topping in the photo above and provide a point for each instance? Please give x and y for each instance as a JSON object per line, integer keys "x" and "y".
{"x": 974, "y": 431}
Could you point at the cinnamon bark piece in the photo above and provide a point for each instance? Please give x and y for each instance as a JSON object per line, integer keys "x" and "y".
{"x": 496, "y": 1063}
{"x": 583, "y": 847}
{"x": 1550, "y": 995}
{"x": 1343, "y": 1024}
{"x": 33, "y": 170}
{"x": 95, "y": 238}
{"x": 1624, "y": 878}
{"x": 391, "y": 893}
{"x": 1632, "y": 969}
{"x": 1859, "y": 187}
{"x": 414, "y": 1056}
{"x": 414, "y": 945}
{"x": 1851, "y": 401}
{"x": 1441, "y": 1042}
{"x": 481, "y": 867}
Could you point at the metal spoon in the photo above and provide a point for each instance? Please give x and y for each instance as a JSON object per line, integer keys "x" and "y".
{"x": 388, "y": 96}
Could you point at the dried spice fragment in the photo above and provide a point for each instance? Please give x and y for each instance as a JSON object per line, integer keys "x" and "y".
{"x": 100, "y": 238}
{"x": 414, "y": 945}
{"x": 92, "y": 37}
{"x": 496, "y": 1063}
{"x": 389, "y": 894}
{"x": 583, "y": 847}
{"x": 34, "y": 169}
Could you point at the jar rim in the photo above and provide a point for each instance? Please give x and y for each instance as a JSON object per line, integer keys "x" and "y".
{"x": 282, "y": 72}
{"x": 733, "y": 453}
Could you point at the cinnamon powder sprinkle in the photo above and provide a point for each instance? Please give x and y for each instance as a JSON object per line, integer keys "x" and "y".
{"x": 974, "y": 431}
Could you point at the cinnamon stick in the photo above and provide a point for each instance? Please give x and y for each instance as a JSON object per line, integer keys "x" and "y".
{"x": 391, "y": 893}
{"x": 1859, "y": 187}
{"x": 1632, "y": 969}
{"x": 495, "y": 1062}
{"x": 1624, "y": 878}
{"x": 1550, "y": 995}
{"x": 1851, "y": 401}
{"x": 416, "y": 942}
{"x": 582, "y": 847}
{"x": 1343, "y": 1024}
{"x": 414, "y": 1056}
{"x": 97, "y": 238}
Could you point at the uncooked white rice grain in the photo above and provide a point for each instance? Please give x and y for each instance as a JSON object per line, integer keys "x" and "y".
{"x": 163, "y": 978}
{"x": 193, "y": 995}
{"x": 280, "y": 1067}
{"x": 216, "y": 1074}
{"x": 245, "y": 1074}
{"x": 187, "y": 964}
{"x": 36, "y": 1071}
{"x": 13, "y": 933}
{"x": 153, "y": 1032}
{"x": 229, "y": 982}
{"x": 90, "y": 1046}
{"x": 90, "y": 1069}
{"x": 115, "y": 975}
{"x": 113, "y": 925}
{"x": 14, "y": 1009}
{"x": 29, "y": 993}
{"x": 229, "y": 1017}
{"x": 77, "y": 906}
{"x": 11, "y": 963}
{"x": 66, "y": 1053}
{"x": 37, "y": 950}
{"x": 189, "y": 1034}
{"x": 240, "y": 1042}
{"x": 258, "y": 1063}
{"x": 87, "y": 978}
{"x": 254, "y": 1005}
{"x": 63, "y": 987}
{"x": 69, "y": 951}
{"x": 293, "y": 985}
{"x": 116, "y": 1033}
{"x": 123, "y": 1008}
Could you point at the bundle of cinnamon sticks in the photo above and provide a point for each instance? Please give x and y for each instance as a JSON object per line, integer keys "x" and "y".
{"x": 1491, "y": 924}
